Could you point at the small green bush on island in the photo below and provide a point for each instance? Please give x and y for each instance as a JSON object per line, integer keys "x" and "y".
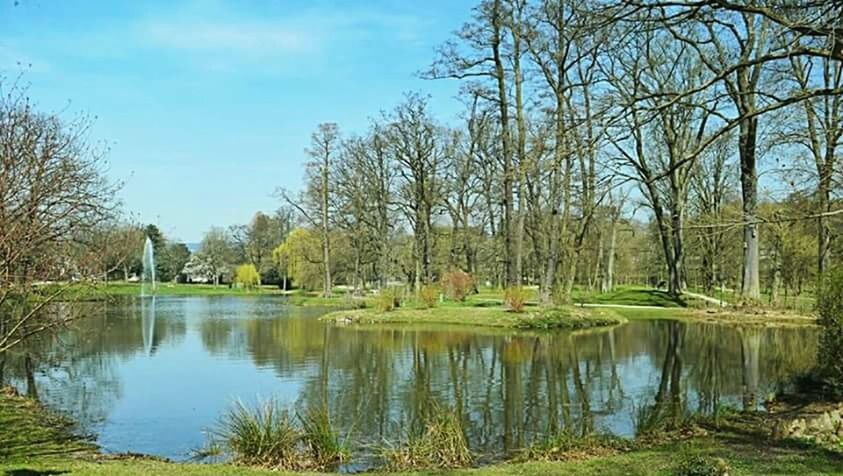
{"x": 389, "y": 299}
{"x": 515, "y": 298}
{"x": 457, "y": 285}
{"x": 429, "y": 296}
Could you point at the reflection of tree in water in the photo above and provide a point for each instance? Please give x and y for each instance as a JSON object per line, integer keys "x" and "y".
{"x": 76, "y": 369}
{"x": 668, "y": 407}
{"x": 511, "y": 388}
{"x": 750, "y": 349}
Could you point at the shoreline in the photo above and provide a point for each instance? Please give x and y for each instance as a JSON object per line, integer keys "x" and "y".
{"x": 36, "y": 440}
{"x": 625, "y": 304}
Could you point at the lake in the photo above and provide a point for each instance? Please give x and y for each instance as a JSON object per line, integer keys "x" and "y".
{"x": 149, "y": 376}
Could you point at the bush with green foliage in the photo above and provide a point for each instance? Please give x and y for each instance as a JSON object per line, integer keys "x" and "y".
{"x": 830, "y": 310}
{"x": 515, "y": 298}
{"x": 563, "y": 318}
{"x": 429, "y": 296}
{"x": 389, "y": 299}
{"x": 457, "y": 285}
{"x": 247, "y": 276}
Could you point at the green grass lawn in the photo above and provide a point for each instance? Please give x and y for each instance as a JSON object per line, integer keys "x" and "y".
{"x": 34, "y": 442}
{"x": 630, "y": 296}
{"x": 180, "y": 289}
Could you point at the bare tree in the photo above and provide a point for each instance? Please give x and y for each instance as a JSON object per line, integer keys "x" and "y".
{"x": 314, "y": 204}
{"x": 415, "y": 143}
{"x": 485, "y": 58}
{"x": 53, "y": 195}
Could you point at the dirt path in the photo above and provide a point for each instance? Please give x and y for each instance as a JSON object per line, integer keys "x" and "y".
{"x": 715, "y": 301}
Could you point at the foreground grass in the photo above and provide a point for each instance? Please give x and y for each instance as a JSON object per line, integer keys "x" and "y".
{"x": 35, "y": 442}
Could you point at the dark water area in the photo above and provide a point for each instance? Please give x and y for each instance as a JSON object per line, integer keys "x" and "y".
{"x": 150, "y": 376}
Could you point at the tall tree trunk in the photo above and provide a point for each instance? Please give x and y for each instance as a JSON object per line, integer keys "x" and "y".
{"x": 751, "y": 283}
{"x": 522, "y": 150}
{"x": 500, "y": 75}
{"x": 326, "y": 243}
{"x": 609, "y": 275}
{"x": 598, "y": 263}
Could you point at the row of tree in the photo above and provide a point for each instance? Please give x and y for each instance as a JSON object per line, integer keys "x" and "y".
{"x": 579, "y": 114}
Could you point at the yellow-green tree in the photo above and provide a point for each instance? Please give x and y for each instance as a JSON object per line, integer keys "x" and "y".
{"x": 299, "y": 257}
{"x": 247, "y": 275}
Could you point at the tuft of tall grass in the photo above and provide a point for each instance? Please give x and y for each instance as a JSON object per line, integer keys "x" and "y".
{"x": 266, "y": 435}
{"x": 323, "y": 443}
{"x": 440, "y": 445}
{"x": 260, "y": 436}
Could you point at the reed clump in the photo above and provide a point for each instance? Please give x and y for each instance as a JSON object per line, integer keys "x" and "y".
{"x": 441, "y": 444}
{"x": 266, "y": 435}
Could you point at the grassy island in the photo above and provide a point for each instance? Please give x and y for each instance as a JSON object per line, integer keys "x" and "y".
{"x": 570, "y": 318}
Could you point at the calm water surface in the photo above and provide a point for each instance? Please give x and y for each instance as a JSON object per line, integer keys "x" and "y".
{"x": 150, "y": 376}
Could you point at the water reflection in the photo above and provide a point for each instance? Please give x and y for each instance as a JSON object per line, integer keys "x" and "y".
{"x": 148, "y": 323}
{"x": 155, "y": 392}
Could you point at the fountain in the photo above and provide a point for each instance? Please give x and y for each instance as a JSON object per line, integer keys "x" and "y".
{"x": 148, "y": 274}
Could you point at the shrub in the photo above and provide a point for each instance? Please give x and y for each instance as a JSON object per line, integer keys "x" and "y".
{"x": 389, "y": 299}
{"x": 564, "y": 319}
{"x": 442, "y": 444}
{"x": 457, "y": 284}
{"x": 429, "y": 296}
{"x": 830, "y": 310}
{"x": 515, "y": 298}
{"x": 247, "y": 275}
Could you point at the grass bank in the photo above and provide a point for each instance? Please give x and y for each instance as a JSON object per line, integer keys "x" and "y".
{"x": 560, "y": 318}
{"x": 294, "y": 297}
{"x": 726, "y": 316}
{"x": 33, "y": 441}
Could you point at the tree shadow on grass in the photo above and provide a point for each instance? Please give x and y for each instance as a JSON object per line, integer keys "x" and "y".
{"x": 754, "y": 446}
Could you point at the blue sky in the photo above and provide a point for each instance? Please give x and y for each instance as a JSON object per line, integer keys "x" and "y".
{"x": 207, "y": 106}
